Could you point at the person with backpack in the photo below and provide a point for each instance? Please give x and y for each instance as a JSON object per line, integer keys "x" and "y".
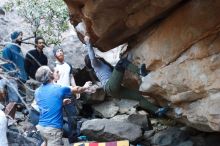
{"x": 111, "y": 78}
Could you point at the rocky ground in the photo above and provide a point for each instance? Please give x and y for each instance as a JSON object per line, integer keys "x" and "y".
{"x": 122, "y": 121}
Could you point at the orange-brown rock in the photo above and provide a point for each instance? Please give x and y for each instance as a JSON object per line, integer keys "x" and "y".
{"x": 182, "y": 50}
{"x": 112, "y": 22}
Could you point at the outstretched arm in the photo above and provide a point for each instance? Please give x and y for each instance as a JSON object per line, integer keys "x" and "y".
{"x": 78, "y": 89}
{"x": 72, "y": 80}
{"x": 94, "y": 60}
{"x": 73, "y": 83}
{"x": 89, "y": 48}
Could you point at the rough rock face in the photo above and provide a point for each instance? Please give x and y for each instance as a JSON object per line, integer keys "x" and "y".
{"x": 185, "y": 56}
{"x": 172, "y": 137}
{"x": 106, "y": 109}
{"x": 110, "y": 23}
{"x": 110, "y": 130}
{"x": 182, "y": 49}
{"x": 16, "y": 139}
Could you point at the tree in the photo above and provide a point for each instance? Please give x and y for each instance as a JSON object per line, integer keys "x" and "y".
{"x": 48, "y": 18}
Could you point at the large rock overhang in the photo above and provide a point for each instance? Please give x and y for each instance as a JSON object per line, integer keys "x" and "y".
{"x": 112, "y": 22}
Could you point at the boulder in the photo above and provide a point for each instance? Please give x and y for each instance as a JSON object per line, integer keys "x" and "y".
{"x": 141, "y": 120}
{"x": 127, "y": 106}
{"x": 171, "y": 137}
{"x": 106, "y": 109}
{"x": 17, "y": 139}
{"x": 122, "y": 118}
{"x": 110, "y": 23}
{"x": 177, "y": 40}
{"x": 110, "y": 130}
{"x": 184, "y": 57}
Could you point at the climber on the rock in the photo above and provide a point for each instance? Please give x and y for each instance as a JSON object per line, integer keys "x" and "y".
{"x": 111, "y": 78}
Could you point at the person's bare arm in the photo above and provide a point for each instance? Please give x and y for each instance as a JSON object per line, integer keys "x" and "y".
{"x": 79, "y": 89}
{"x": 66, "y": 101}
{"x": 73, "y": 83}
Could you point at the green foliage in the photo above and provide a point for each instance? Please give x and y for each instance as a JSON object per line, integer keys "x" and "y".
{"x": 8, "y": 7}
{"x": 48, "y": 18}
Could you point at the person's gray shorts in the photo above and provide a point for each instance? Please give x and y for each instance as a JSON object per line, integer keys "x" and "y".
{"x": 52, "y": 136}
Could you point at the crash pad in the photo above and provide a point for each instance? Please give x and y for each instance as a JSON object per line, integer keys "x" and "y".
{"x": 114, "y": 143}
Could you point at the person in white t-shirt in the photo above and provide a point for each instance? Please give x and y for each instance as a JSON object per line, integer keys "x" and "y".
{"x": 64, "y": 70}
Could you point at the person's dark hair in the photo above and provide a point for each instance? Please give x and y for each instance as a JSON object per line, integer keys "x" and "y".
{"x": 38, "y": 38}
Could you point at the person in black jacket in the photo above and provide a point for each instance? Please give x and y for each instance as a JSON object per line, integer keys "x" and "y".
{"x": 35, "y": 58}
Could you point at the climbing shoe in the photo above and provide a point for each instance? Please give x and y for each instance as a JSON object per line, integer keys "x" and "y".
{"x": 161, "y": 112}
{"x": 82, "y": 138}
{"x": 122, "y": 64}
{"x": 143, "y": 71}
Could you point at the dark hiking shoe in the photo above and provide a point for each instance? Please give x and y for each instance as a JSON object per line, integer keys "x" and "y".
{"x": 122, "y": 64}
{"x": 161, "y": 112}
{"x": 143, "y": 71}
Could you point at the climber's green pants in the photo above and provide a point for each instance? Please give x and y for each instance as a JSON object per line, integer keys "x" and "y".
{"x": 113, "y": 87}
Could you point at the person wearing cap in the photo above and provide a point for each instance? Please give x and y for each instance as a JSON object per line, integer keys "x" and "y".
{"x": 50, "y": 97}
{"x": 35, "y": 58}
{"x": 12, "y": 52}
{"x": 64, "y": 68}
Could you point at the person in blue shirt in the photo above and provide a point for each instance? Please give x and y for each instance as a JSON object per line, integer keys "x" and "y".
{"x": 111, "y": 78}
{"x": 50, "y": 98}
{"x": 12, "y": 52}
